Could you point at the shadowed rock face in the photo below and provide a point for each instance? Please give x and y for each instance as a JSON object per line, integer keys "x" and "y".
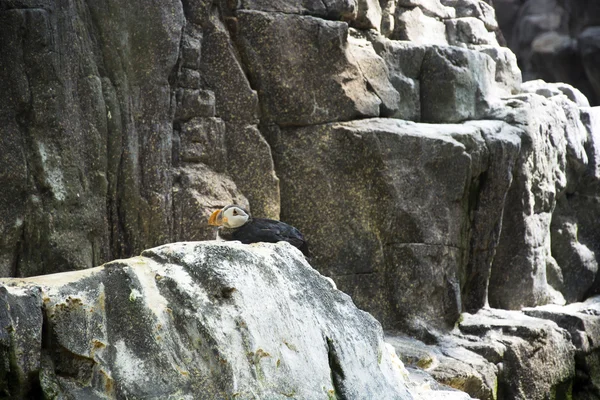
{"x": 193, "y": 320}
{"x": 555, "y": 40}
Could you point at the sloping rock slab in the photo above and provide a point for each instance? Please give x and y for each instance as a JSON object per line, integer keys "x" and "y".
{"x": 203, "y": 320}
{"x": 499, "y": 354}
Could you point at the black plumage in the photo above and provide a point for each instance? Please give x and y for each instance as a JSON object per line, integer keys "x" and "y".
{"x": 256, "y": 230}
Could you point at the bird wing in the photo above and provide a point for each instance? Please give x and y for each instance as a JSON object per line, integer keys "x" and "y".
{"x": 269, "y": 230}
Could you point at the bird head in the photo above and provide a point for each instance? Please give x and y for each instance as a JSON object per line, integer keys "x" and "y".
{"x": 230, "y": 217}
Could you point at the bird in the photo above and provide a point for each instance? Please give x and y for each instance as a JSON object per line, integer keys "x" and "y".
{"x": 236, "y": 223}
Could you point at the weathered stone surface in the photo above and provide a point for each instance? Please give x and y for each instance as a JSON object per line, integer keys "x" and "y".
{"x": 330, "y": 9}
{"x": 373, "y": 68}
{"x": 197, "y": 192}
{"x": 369, "y": 15}
{"x": 450, "y": 366}
{"x": 551, "y": 159}
{"x": 589, "y": 49}
{"x": 555, "y": 89}
{"x": 474, "y": 8}
{"x": 370, "y": 232}
{"x": 529, "y": 347}
{"x": 85, "y": 122}
{"x": 469, "y": 32}
{"x": 250, "y": 165}
{"x": 211, "y": 320}
{"x": 508, "y": 75}
{"x": 503, "y": 146}
{"x": 413, "y": 25}
{"x": 431, "y": 8}
{"x": 20, "y": 342}
{"x": 194, "y": 103}
{"x": 404, "y": 61}
{"x": 307, "y": 79}
{"x": 222, "y": 72}
{"x": 582, "y": 321}
{"x": 456, "y": 84}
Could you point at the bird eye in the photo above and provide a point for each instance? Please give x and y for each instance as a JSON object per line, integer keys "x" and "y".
{"x": 235, "y": 212}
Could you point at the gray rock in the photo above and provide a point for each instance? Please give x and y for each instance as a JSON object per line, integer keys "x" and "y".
{"x": 194, "y": 103}
{"x": 431, "y": 8}
{"x": 330, "y": 9}
{"x": 208, "y": 320}
{"x": 373, "y": 68}
{"x": 552, "y": 152}
{"x": 582, "y": 320}
{"x": 458, "y": 85}
{"x": 203, "y": 140}
{"x": 308, "y": 79}
{"x": 508, "y": 75}
{"x": 20, "y": 341}
{"x": 197, "y": 192}
{"x": 468, "y": 32}
{"x": 544, "y": 34}
{"x": 235, "y": 99}
{"x": 555, "y": 89}
{"x": 474, "y": 8}
{"x": 531, "y": 345}
{"x": 384, "y": 249}
{"x": 503, "y": 146}
{"x": 250, "y": 164}
{"x": 404, "y": 61}
{"x": 369, "y": 15}
{"x": 413, "y": 25}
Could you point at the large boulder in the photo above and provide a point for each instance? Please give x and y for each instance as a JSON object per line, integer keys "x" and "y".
{"x": 388, "y": 208}
{"x": 193, "y": 320}
{"x": 311, "y": 78}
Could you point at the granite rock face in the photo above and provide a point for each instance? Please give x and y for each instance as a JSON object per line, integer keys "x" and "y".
{"x": 193, "y": 320}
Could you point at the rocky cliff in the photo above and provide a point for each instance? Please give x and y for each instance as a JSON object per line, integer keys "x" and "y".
{"x": 395, "y": 134}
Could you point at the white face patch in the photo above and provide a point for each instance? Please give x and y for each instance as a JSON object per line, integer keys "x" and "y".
{"x": 234, "y": 217}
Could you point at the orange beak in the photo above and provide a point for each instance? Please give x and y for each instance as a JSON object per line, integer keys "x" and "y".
{"x": 216, "y": 218}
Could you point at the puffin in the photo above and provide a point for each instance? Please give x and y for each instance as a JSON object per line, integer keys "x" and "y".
{"x": 236, "y": 223}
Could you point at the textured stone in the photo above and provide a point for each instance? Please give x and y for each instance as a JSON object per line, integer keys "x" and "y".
{"x": 371, "y": 232}
{"x": 369, "y": 15}
{"x": 330, "y": 9}
{"x": 20, "y": 341}
{"x": 431, "y": 8}
{"x": 474, "y": 8}
{"x": 373, "y": 68}
{"x": 415, "y": 26}
{"x": 544, "y": 34}
{"x": 552, "y": 157}
{"x": 456, "y": 84}
{"x": 211, "y": 320}
{"x": 469, "y": 32}
{"x": 88, "y": 110}
{"x": 235, "y": 100}
{"x": 197, "y": 192}
{"x": 508, "y": 75}
{"x": 589, "y": 49}
{"x": 308, "y": 78}
{"x": 194, "y": 103}
{"x": 404, "y": 61}
{"x": 531, "y": 345}
{"x": 250, "y": 165}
